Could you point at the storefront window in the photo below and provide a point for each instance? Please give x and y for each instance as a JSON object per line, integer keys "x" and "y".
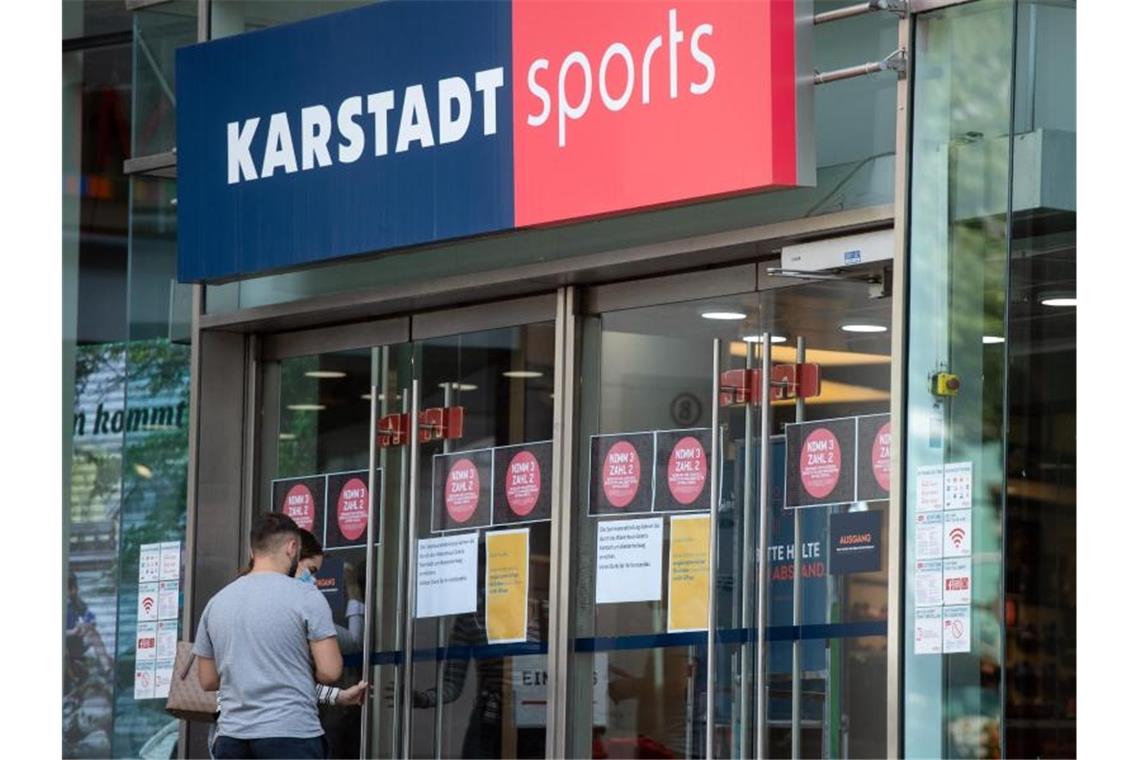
{"x": 955, "y": 448}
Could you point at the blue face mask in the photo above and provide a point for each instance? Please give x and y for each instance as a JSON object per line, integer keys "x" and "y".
{"x": 306, "y": 576}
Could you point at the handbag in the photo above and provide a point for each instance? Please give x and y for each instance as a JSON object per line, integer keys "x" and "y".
{"x": 187, "y": 699}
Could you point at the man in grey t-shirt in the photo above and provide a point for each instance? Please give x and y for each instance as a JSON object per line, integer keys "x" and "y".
{"x": 261, "y": 641}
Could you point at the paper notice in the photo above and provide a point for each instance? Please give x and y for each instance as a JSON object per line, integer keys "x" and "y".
{"x": 956, "y": 528}
{"x": 930, "y": 488}
{"x": 167, "y": 634}
{"x": 445, "y": 575}
{"x": 928, "y": 630}
{"x": 170, "y": 561}
{"x": 688, "y": 573}
{"x": 508, "y": 563}
{"x": 146, "y": 643}
{"x": 956, "y": 581}
{"x": 928, "y": 535}
{"x": 148, "y": 601}
{"x": 955, "y": 629}
{"x": 167, "y": 600}
{"x": 162, "y": 673}
{"x": 927, "y": 583}
{"x": 149, "y": 561}
{"x": 628, "y": 561}
{"x": 144, "y": 680}
{"x": 958, "y": 485}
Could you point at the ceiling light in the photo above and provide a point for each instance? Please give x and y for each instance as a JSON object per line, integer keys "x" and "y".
{"x": 287, "y": 436}
{"x": 991, "y": 339}
{"x": 143, "y": 471}
{"x": 759, "y": 339}
{"x": 306, "y": 407}
{"x": 1059, "y": 300}
{"x": 863, "y": 328}
{"x": 459, "y": 386}
{"x": 325, "y": 373}
{"x": 724, "y": 315}
{"x": 525, "y": 374}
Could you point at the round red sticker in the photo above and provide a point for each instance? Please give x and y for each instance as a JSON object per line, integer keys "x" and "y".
{"x": 352, "y": 509}
{"x": 881, "y": 457}
{"x": 621, "y": 474}
{"x": 301, "y": 506}
{"x": 688, "y": 470}
{"x": 820, "y": 460}
{"x": 461, "y": 491}
{"x": 524, "y": 480}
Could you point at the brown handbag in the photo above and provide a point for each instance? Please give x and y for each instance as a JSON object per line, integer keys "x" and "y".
{"x": 187, "y": 699}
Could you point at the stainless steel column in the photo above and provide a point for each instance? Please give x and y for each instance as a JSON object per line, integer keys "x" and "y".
{"x": 410, "y": 594}
{"x": 369, "y": 551}
{"x": 749, "y": 563}
{"x": 797, "y": 589}
{"x": 714, "y": 505}
{"x": 439, "y": 631}
{"x": 761, "y": 727}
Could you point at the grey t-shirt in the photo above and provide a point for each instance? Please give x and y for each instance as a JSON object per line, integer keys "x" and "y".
{"x": 257, "y": 629}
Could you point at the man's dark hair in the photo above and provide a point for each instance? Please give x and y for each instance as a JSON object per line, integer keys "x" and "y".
{"x": 269, "y": 530}
{"x": 310, "y": 546}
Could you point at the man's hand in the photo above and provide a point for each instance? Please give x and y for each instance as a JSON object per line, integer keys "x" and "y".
{"x": 354, "y": 695}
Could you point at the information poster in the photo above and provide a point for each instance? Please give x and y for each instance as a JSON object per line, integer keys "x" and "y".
{"x": 856, "y": 543}
{"x": 821, "y": 463}
{"x": 446, "y": 568}
{"x": 149, "y": 562}
{"x": 160, "y": 567}
{"x": 628, "y": 561}
{"x": 621, "y": 473}
{"x": 347, "y": 525}
{"x": 957, "y": 533}
{"x": 461, "y": 490}
{"x": 928, "y": 535}
{"x": 166, "y": 634}
{"x": 508, "y": 564}
{"x": 928, "y": 583}
{"x": 688, "y": 573}
{"x": 522, "y": 483}
{"x": 144, "y": 680}
{"x": 873, "y": 434}
{"x": 928, "y": 630}
{"x": 955, "y": 630}
{"x": 168, "y": 600}
{"x": 170, "y": 561}
{"x": 163, "y": 673}
{"x": 303, "y": 499}
{"x": 929, "y": 487}
{"x": 682, "y": 470}
{"x": 146, "y": 643}
{"x": 958, "y": 485}
{"x": 956, "y": 581}
{"x": 148, "y": 602}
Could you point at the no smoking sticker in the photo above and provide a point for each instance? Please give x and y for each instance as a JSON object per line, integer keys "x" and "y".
{"x": 955, "y": 629}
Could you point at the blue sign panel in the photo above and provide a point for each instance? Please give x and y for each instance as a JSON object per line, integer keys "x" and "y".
{"x": 371, "y": 129}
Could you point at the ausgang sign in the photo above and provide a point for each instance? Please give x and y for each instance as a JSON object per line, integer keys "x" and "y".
{"x": 406, "y": 122}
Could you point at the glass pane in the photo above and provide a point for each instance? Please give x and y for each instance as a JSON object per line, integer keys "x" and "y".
{"x": 480, "y": 673}
{"x": 955, "y": 464}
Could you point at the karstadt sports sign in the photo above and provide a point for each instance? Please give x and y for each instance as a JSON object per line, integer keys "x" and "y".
{"x": 407, "y": 122}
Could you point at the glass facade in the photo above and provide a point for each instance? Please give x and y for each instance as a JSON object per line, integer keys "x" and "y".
{"x": 987, "y": 581}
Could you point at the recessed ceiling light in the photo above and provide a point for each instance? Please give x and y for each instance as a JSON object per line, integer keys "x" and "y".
{"x": 459, "y": 386}
{"x": 863, "y": 328}
{"x": 758, "y": 339}
{"x": 725, "y": 315}
{"x": 306, "y": 407}
{"x": 991, "y": 339}
{"x": 1059, "y": 301}
{"x": 525, "y": 374}
{"x": 143, "y": 471}
{"x": 287, "y": 436}
{"x": 325, "y": 373}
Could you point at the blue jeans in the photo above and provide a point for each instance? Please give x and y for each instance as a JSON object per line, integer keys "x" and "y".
{"x": 284, "y": 747}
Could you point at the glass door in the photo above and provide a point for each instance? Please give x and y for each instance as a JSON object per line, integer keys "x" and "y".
{"x": 674, "y": 425}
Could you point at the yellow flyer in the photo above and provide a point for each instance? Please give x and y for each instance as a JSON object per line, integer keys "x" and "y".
{"x": 508, "y": 564}
{"x": 688, "y": 573}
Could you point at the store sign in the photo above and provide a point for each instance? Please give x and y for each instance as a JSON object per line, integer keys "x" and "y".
{"x": 404, "y": 123}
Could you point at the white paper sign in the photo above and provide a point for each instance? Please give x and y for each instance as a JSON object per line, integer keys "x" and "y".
{"x": 146, "y": 643}
{"x": 149, "y": 562}
{"x": 956, "y": 581}
{"x": 162, "y": 674}
{"x": 144, "y": 680}
{"x": 958, "y": 485}
{"x": 170, "y": 561}
{"x": 628, "y": 561}
{"x": 148, "y": 601}
{"x": 529, "y": 687}
{"x": 955, "y": 629}
{"x": 446, "y": 570}
{"x": 957, "y": 532}
{"x": 167, "y": 600}
{"x": 930, "y": 488}
{"x": 928, "y": 630}
{"x": 167, "y": 635}
{"x": 927, "y": 582}
{"x": 928, "y": 535}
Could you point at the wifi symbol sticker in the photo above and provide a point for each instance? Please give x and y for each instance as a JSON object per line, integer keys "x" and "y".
{"x": 957, "y": 534}
{"x": 148, "y": 601}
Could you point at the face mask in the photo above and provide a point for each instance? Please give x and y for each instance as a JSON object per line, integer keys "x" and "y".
{"x": 306, "y": 576}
